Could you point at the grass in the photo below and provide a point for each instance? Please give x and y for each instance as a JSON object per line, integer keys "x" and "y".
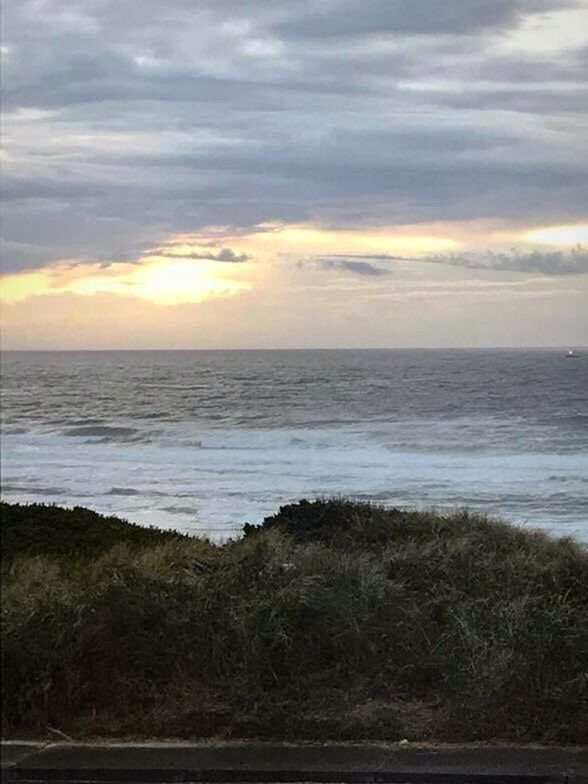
{"x": 49, "y": 530}
{"x": 332, "y": 620}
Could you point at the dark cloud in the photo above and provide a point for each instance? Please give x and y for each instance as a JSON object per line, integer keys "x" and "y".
{"x": 224, "y": 255}
{"x": 363, "y": 268}
{"x": 553, "y": 263}
{"x": 321, "y": 20}
{"x": 370, "y": 256}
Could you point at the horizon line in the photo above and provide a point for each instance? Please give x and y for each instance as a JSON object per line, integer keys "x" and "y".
{"x": 562, "y": 347}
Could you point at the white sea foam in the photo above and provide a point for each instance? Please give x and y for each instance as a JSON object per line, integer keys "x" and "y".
{"x": 234, "y": 476}
{"x": 219, "y": 455}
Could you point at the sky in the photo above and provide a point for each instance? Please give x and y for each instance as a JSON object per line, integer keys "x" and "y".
{"x": 304, "y": 173}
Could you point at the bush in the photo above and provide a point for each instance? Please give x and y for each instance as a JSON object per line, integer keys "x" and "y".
{"x": 331, "y": 620}
{"x": 49, "y": 530}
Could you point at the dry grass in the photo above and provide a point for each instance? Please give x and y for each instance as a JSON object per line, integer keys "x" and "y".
{"x": 333, "y": 621}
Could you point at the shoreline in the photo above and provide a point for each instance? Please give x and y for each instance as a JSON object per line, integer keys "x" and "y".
{"x": 577, "y": 530}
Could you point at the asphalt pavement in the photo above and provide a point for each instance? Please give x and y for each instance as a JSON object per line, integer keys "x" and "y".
{"x": 163, "y": 763}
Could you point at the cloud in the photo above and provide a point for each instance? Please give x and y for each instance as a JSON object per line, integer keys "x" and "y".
{"x": 552, "y": 263}
{"x": 371, "y": 256}
{"x": 224, "y": 254}
{"x": 128, "y": 123}
{"x": 363, "y": 268}
{"x": 321, "y": 20}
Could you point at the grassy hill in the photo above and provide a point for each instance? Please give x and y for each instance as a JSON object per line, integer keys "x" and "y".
{"x": 49, "y": 530}
{"x": 332, "y": 620}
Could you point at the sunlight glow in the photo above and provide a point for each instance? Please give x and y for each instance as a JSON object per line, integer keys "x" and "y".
{"x": 17, "y": 287}
{"x": 308, "y": 239}
{"x": 169, "y": 282}
{"x": 220, "y": 263}
{"x": 559, "y": 235}
{"x": 159, "y": 280}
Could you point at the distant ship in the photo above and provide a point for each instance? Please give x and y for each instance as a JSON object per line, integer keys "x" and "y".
{"x": 571, "y": 354}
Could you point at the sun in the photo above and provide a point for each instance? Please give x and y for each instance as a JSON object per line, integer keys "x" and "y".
{"x": 559, "y": 235}
{"x": 173, "y": 282}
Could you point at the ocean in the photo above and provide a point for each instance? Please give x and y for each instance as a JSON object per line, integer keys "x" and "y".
{"x": 203, "y": 441}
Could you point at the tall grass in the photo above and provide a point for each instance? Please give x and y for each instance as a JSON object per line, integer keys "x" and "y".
{"x": 332, "y": 620}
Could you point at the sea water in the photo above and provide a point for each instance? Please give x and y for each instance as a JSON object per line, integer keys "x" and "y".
{"x": 203, "y": 441}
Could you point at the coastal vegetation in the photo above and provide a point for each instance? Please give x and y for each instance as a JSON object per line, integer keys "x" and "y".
{"x": 331, "y": 620}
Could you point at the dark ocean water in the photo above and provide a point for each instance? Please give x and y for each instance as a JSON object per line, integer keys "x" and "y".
{"x": 202, "y": 440}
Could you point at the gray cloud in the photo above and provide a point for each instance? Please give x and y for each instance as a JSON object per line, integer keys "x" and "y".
{"x": 408, "y": 17}
{"x": 523, "y": 101}
{"x": 370, "y": 256}
{"x": 570, "y": 66}
{"x": 554, "y": 263}
{"x": 363, "y": 268}
{"x": 128, "y": 122}
{"x": 224, "y": 255}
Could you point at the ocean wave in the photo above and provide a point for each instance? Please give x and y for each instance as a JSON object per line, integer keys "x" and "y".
{"x": 102, "y": 431}
{"x": 577, "y": 419}
{"x": 83, "y": 422}
{"x": 393, "y": 427}
{"x": 180, "y": 510}
{"x": 32, "y": 489}
{"x": 384, "y": 496}
{"x": 139, "y": 439}
{"x": 194, "y": 443}
{"x": 178, "y": 387}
